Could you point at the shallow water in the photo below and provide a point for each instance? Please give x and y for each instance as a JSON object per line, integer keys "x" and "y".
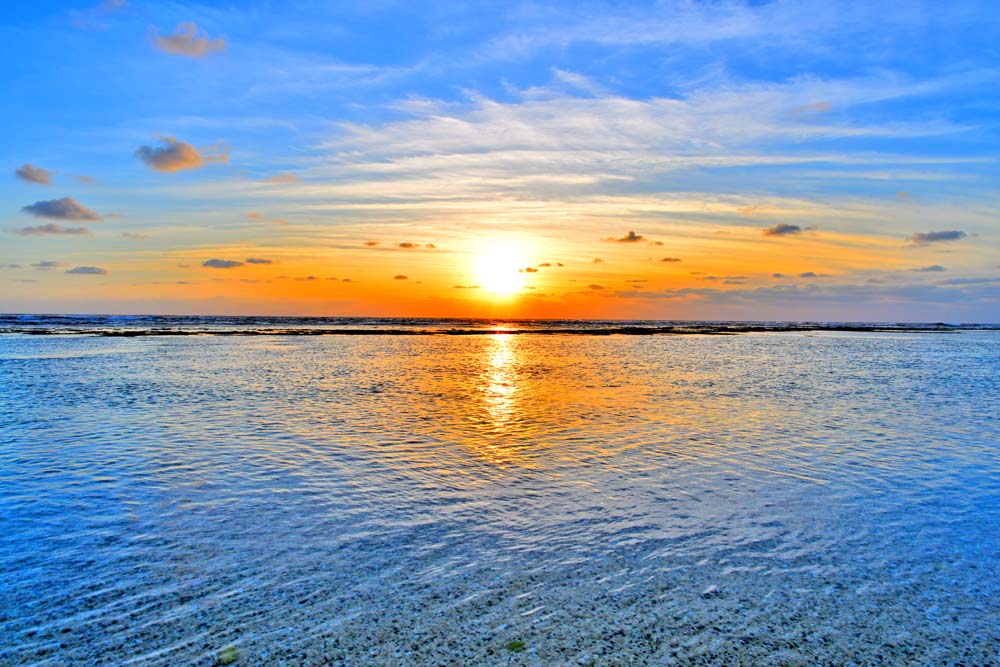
{"x": 779, "y": 498}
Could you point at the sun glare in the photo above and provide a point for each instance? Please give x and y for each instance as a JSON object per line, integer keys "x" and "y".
{"x": 500, "y": 267}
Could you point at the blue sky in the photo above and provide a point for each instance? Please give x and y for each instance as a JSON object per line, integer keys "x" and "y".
{"x": 315, "y": 128}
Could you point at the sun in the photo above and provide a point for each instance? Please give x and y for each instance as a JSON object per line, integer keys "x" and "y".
{"x": 500, "y": 266}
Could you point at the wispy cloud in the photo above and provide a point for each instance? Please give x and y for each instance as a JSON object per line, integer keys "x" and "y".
{"x": 52, "y": 229}
{"x": 186, "y": 41}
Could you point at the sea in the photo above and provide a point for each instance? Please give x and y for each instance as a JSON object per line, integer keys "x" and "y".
{"x": 345, "y": 491}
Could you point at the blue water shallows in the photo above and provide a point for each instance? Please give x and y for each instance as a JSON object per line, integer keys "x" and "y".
{"x": 766, "y": 498}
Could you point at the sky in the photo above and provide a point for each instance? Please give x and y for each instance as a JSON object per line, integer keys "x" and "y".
{"x": 806, "y": 160}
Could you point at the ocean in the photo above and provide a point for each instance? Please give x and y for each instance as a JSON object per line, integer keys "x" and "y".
{"x": 252, "y": 491}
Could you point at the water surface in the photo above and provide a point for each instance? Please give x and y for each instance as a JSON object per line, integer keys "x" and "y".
{"x": 767, "y": 498}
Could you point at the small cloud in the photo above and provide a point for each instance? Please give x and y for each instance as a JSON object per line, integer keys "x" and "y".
{"x": 259, "y": 260}
{"x": 671, "y": 259}
{"x": 782, "y": 229}
{"x": 86, "y": 180}
{"x": 559, "y": 264}
{"x": 10, "y": 266}
{"x": 221, "y": 263}
{"x": 87, "y": 271}
{"x": 923, "y": 238}
{"x": 254, "y": 216}
{"x": 346, "y": 280}
{"x": 371, "y": 244}
{"x": 66, "y": 208}
{"x": 631, "y": 237}
{"x": 778, "y": 275}
{"x": 26, "y": 280}
{"x": 430, "y": 245}
{"x": 47, "y": 265}
{"x": 595, "y": 286}
{"x": 530, "y": 270}
{"x": 132, "y": 236}
{"x": 748, "y": 210}
{"x": 52, "y": 229}
{"x": 545, "y": 264}
{"x": 185, "y": 41}
{"x": 933, "y": 268}
{"x": 903, "y": 195}
{"x": 596, "y": 261}
{"x": 808, "y": 274}
{"x": 283, "y": 178}
{"x": 34, "y": 174}
{"x": 172, "y": 155}
{"x": 656, "y": 243}
{"x": 407, "y": 244}
{"x": 814, "y": 108}
{"x": 400, "y": 277}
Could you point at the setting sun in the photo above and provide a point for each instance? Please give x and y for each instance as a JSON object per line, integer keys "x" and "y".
{"x": 500, "y": 268}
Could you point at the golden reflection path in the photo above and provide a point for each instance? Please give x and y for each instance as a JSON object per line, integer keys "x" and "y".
{"x": 500, "y": 388}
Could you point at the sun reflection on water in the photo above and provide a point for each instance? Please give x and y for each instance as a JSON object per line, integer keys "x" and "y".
{"x": 500, "y": 388}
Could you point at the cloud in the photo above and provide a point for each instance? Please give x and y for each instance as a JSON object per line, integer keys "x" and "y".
{"x": 283, "y": 178}
{"x": 47, "y": 265}
{"x": 66, "y": 208}
{"x": 782, "y": 229}
{"x": 529, "y": 269}
{"x": 52, "y": 229}
{"x": 671, "y": 259}
{"x": 400, "y": 277}
{"x": 814, "y": 108}
{"x": 598, "y": 260}
{"x": 656, "y": 243}
{"x": 595, "y": 286}
{"x": 466, "y": 286}
{"x": 812, "y": 274}
{"x": 132, "y": 236}
{"x": 933, "y": 268}
{"x": 10, "y": 266}
{"x": 631, "y": 237}
{"x": 254, "y": 216}
{"x": 778, "y": 275}
{"x": 371, "y": 244}
{"x": 185, "y": 41}
{"x": 407, "y": 244}
{"x": 34, "y": 174}
{"x": 259, "y": 260}
{"x": 923, "y": 238}
{"x": 87, "y": 271}
{"x": 221, "y": 263}
{"x": 173, "y": 155}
